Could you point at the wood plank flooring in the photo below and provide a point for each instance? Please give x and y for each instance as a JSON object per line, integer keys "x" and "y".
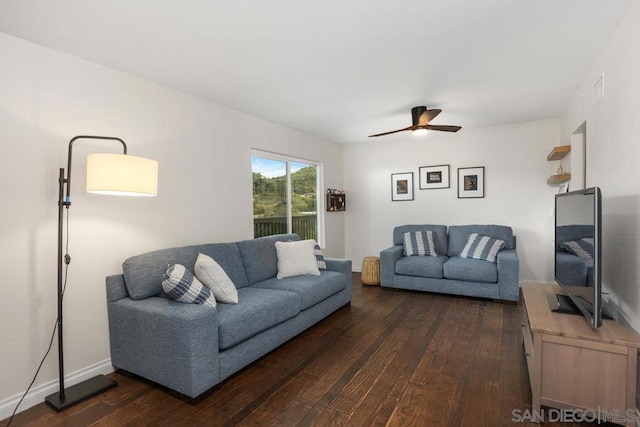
{"x": 391, "y": 358}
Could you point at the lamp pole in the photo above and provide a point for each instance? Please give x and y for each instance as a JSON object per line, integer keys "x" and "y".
{"x": 67, "y": 397}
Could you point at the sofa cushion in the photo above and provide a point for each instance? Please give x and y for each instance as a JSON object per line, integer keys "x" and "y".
{"x": 181, "y": 285}
{"x": 259, "y": 256}
{"x": 419, "y": 243}
{"x": 482, "y": 247}
{"x": 440, "y": 239}
{"x": 582, "y": 248}
{"x": 421, "y": 266}
{"x": 143, "y": 274}
{"x": 227, "y": 255}
{"x": 459, "y": 234}
{"x": 257, "y": 310}
{"x": 311, "y": 289}
{"x": 296, "y": 259}
{"x": 209, "y": 272}
{"x": 470, "y": 270}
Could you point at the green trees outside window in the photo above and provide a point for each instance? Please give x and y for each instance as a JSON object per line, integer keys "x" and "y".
{"x": 285, "y": 197}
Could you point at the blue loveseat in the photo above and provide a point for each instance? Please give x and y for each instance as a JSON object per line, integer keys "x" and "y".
{"x": 448, "y": 273}
{"x": 190, "y": 348}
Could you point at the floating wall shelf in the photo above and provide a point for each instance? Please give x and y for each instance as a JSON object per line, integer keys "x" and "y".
{"x": 558, "y": 179}
{"x": 559, "y": 152}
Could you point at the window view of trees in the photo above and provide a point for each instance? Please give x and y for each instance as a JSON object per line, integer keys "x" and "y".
{"x": 271, "y": 198}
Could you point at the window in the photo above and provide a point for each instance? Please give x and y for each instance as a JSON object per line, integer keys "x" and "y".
{"x": 285, "y": 196}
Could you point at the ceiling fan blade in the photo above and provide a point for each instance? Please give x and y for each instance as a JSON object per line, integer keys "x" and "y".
{"x": 427, "y": 116}
{"x": 444, "y": 128}
{"x": 393, "y": 131}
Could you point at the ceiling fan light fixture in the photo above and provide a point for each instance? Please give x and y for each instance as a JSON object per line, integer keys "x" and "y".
{"x": 421, "y": 123}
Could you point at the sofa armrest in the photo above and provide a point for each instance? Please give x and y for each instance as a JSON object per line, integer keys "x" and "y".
{"x": 116, "y": 289}
{"x": 388, "y": 259}
{"x": 508, "y": 275}
{"x": 171, "y": 343}
{"x": 342, "y": 266}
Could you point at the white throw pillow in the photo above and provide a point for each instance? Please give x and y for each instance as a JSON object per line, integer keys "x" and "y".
{"x": 297, "y": 259}
{"x": 209, "y": 272}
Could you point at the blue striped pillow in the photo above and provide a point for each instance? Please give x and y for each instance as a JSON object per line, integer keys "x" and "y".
{"x": 181, "y": 285}
{"x": 419, "y": 243}
{"x": 582, "y": 248}
{"x": 322, "y": 265}
{"x": 482, "y": 247}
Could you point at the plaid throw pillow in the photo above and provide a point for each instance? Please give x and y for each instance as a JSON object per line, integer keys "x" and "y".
{"x": 419, "y": 243}
{"x": 181, "y": 285}
{"x": 322, "y": 265}
{"x": 482, "y": 247}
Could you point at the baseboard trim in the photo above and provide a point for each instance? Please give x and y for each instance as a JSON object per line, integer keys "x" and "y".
{"x": 37, "y": 394}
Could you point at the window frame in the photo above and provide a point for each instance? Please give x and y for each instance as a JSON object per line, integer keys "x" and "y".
{"x": 320, "y": 202}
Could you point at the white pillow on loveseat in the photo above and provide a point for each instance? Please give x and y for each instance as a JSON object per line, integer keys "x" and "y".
{"x": 297, "y": 259}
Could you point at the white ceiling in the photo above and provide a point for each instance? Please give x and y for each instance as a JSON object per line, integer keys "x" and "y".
{"x": 340, "y": 69}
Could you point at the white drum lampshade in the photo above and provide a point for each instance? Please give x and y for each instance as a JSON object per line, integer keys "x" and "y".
{"x": 121, "y": 175}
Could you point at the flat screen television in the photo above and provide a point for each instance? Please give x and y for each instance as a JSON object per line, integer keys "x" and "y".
{"x": 578, "y": 255}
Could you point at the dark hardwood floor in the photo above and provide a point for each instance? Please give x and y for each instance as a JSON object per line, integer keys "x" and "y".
{"x": 390, "y": 358}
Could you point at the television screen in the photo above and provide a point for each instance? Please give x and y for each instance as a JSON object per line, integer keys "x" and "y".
{"x": 578, "y": 254}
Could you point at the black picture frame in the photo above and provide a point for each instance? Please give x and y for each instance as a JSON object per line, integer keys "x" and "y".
{"x": 471, "y": 182}
{"x": 434, "y": 177}
{"x": 401, "y": 186}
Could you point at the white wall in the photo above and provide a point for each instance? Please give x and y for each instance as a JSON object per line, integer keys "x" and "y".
{"x": 613, "y": 159}
{"x": 205, "y": 194}
{"x": 516, "y": 193}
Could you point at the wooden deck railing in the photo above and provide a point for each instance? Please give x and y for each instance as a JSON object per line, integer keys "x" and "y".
{"x": 303, "y": 225}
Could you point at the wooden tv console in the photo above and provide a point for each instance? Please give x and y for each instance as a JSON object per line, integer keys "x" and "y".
{"x": 571, "y": 365}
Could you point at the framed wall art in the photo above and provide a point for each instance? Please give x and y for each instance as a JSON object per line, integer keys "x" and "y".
{"x": 401, "y": 186}
{"x": 471, "y": 183}
{"x": 432, "y": 177}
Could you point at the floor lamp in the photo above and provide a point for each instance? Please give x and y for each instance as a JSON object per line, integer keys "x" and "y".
{"x": 111, "y": 174}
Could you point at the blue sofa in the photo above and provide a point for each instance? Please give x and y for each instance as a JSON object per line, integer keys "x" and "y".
{"x": 189, "y": 348}
{"x": 448, "y": 273}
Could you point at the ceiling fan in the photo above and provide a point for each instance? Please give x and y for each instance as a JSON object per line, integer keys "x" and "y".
{"x": 421, "y": 118}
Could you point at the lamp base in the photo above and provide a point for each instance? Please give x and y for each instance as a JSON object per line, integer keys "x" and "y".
{"x": 80, "y": 392}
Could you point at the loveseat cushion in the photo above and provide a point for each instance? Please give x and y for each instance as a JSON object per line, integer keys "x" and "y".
{"x": 311, "y": 289}
{"x": 259, "y": 256}
{"x": 470, "y": 270}
{"x": 143, "y": 274}
{"x": 421, "y": 266}
{"x": 257, "y": 310}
